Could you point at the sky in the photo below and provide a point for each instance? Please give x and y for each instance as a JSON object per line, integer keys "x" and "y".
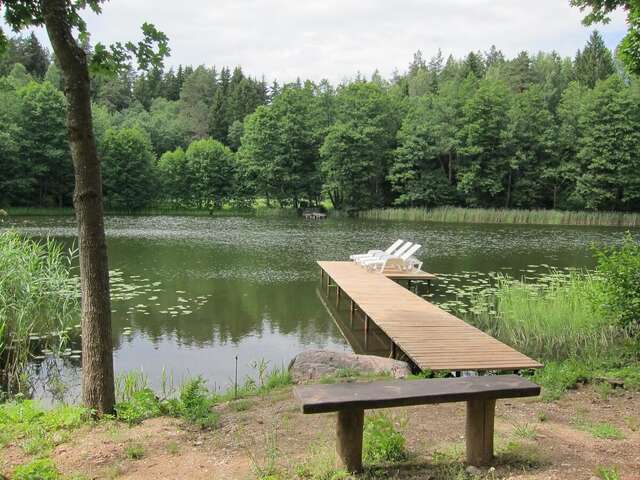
{"x": 336, "y": 39}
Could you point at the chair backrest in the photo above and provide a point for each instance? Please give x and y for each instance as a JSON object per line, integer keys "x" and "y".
{"x": 394, "y": 247}
{"x": 402, "y": 249}
{"x": 407, "y": 254}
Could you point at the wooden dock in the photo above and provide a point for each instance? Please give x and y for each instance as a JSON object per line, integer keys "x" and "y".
{"x": 430, "y": 337}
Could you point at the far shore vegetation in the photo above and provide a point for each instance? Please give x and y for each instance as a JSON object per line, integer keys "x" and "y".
{"x": 549, "y": 139}
{"x": 437, "y": 215}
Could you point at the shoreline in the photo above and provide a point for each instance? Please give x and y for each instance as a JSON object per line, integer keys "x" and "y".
{"x": 459, "y": 215}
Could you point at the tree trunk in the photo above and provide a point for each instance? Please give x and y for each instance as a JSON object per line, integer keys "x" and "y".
{"x": 97, "y": 358}
{"x": 508, "y": 202}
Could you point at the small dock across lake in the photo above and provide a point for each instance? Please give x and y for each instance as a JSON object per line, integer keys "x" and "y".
{"x": 430, "y": 337}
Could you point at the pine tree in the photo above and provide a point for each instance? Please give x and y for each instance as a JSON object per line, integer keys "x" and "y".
{"x": 594, "y": 62}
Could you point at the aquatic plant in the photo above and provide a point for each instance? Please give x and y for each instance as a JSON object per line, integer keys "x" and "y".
{"x": 556, "y": 317}
{"x": 504, "y": 216}
{"x": 39, "y": 301}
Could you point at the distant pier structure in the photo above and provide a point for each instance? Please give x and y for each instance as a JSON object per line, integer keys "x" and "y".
{"x": 314, "y": 215}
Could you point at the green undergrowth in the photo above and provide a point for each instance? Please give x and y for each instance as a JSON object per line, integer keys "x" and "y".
{"x": 383, "y": 440}
{"x": 37, "y": 429}
{"x": 258, "y": 210}
{"x": 194, "y": 402}
{"x": 557, "y": 377}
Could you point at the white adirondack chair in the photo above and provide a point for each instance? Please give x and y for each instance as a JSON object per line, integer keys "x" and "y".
{"x": 372, "y": 253}
{"x": 401, "y": 262}
{"x": 363, "y": 261}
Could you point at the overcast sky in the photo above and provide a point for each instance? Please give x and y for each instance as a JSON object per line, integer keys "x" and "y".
{"x": 335, "y": 39}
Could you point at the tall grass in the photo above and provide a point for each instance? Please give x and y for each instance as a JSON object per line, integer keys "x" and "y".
{"x": 505, "y": 216}
{"x": 38, "y": 300}
{"x": 557, "y": 318}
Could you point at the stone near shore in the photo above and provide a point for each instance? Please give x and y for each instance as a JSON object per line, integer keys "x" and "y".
{"x": 314, "y": 364}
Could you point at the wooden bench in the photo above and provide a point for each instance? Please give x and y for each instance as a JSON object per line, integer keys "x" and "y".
{"x": 350, "y": 400}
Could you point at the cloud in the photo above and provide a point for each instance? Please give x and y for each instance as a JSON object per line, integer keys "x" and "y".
{"x": 335, "y": 39}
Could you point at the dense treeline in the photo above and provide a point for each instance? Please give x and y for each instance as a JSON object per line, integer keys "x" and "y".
{"x": 535, "y": 131}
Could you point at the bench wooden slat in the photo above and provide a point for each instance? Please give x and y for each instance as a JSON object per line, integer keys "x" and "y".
{"x": 396, "y": 393}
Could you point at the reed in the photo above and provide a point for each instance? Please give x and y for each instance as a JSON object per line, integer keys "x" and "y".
{"x": 39, "y": 301}
{"x": 554, "y": 319}
{"x": 504, "y": 216}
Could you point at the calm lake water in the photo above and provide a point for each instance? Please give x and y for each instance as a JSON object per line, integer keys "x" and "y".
{"x": 192, "y": 293}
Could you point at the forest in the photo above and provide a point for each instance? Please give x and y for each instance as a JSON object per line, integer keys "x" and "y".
{"x": 534, "y": 131}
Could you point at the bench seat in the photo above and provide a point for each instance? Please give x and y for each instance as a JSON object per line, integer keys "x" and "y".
{"x": 351, "y": 399}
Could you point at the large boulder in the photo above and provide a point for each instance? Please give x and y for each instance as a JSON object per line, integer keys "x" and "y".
{"x": 314, "y": 364}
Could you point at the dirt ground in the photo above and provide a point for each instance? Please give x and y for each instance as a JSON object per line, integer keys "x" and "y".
{"x": 534, "y": 440}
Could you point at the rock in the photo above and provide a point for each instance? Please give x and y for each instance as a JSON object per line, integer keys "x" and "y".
{"x": 471, "y": 470}
{"x": 315, "y": 364}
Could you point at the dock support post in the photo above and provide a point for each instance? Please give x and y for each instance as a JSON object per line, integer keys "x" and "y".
{"x": 321, "y": 276}
{"x": 479, "y": 431}
{"x": 349, "y": 439}
{"x": 393, "y": 349}
{"x": 337, "y": 296}
{"x": 351, "y": 312}
{"x": 366, "y": 323}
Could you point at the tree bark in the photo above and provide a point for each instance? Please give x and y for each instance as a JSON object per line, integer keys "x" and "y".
{"x": 97, "y": 357}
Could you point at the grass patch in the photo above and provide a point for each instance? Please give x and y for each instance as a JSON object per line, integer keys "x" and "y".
{"x": 321, "y": 466}
{"x": 599, "y": 429}
{"x": 173, "y": 448}
{"x": 134, "y": 451}
{"x": 525, "y": 431}
{"x": 36, "y": 429}
{"x": 520, "y": 456}
{"x": 240, "y": 405}
{"x": 504, "y": 216}
{"x": 607, "y": 473}
{"x": 265, "y": 466}
{"x": 383, "y": 440}
{"x": 39, "y": 469}
{"x": 558, "y": 377}
{"x": 195, "y": 402}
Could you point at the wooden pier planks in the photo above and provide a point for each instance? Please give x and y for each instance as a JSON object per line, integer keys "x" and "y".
{"x": 433, "y": 338}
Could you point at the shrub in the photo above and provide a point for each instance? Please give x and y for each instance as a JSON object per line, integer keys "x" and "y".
{"x": 141, "y": 405}
{"x": 620, "y": 267}
{"x": 382, "y": 441}
{"x": 195, "y": 404}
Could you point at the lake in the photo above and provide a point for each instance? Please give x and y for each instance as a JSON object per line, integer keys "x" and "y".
{"x": 192, "y": 293}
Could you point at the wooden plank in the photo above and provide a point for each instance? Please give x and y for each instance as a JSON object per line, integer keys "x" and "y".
{"x": 396, "y": 393}
{"x": 431, "y": 337}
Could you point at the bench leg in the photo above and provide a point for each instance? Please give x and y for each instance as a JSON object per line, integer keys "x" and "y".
{"x": 349, "y": 439}
{"x": 479, "y": 431}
